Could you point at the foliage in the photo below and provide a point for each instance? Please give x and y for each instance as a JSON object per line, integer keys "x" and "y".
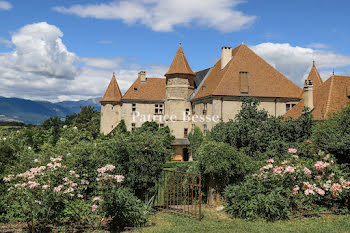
{"x": 222, "y": 163}
{"x": 182, "y": 166}
{"x": 293, "y": 185}
{"x": 333, "y": 135}
{"x": 196, "y": 138}
{"x": 47, "y": 193}
{"x": 88, "y": 119}
{"x": 256, "y": 133}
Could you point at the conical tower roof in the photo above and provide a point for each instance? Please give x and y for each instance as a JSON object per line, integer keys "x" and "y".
{"x": 112, "y": 93}
{"x": 315, "y": 77}
{"x": 180, "y": 64}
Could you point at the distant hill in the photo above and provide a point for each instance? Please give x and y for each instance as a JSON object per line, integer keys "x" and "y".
{"x": 35, "y": 112}
{"x": 74, "y": 106}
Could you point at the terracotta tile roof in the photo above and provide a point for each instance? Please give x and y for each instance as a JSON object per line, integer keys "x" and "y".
{"x": 315, "y": 77}
{"x": 180, "y": 64}
{"x": 264, "y": 80}
{"x": 152, "y": 89}
{"x": 112, "y": 93}
{"x": 329, "y": 98}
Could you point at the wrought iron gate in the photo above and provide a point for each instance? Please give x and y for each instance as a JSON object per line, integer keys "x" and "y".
{"x": 180, "y": 192}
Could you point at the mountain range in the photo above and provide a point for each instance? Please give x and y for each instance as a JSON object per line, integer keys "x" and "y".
{"x": 35, "y": 112}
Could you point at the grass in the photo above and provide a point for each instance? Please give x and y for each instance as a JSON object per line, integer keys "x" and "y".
{"x": 218, "y": 221}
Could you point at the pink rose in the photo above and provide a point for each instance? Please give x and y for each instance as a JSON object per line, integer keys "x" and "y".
{"x": 292, "y": 150}
{"x": 94, "y": 207}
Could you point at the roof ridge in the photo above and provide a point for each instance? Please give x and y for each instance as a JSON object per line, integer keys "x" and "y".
{"x": 329, "y": 96}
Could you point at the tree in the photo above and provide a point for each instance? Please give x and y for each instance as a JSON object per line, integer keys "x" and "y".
{"x": 220, "y": 165}
{"x": 88, "y": 119}
{"x": 196, "y": 138}
{"x": 333, "y": 135}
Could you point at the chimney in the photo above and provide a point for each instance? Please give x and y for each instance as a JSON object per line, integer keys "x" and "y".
{"x": 308, "y": 94}
{"x": 226, "y": 55}
{"x": 243, "y": 80}
{"x": 142, "y": 76}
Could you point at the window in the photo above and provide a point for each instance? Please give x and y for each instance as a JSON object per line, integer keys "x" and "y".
{"x": 187, "y": 111}
{"x": 133, "y": 126}
{"x": 205, "y": 129}
{"x": 193, "y": 125}
{"x": 193, "y": 109}
{"x": 158, "y": 109}
{"x": 133, "y": 107}
{"x": 185, "y": 132}
{"x": 289, "y": 106}
{"x": 161, "y": 125}
{"x": 204, "y": 108}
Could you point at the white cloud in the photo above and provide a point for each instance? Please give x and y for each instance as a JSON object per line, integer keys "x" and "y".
{"x": 7, "y": 43}
{"x": 295, "y": 62}
{"x": 4, "y": 5}
{"x": 164, "y": 15}
{"x": 41, "y": 67}
{"x": 98, "y": 62}
{"x": 39, "y": 51}
{"x": 317, "y": 45}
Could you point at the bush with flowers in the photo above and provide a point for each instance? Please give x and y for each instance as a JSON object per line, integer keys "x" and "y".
{"x": 53, "y": 193}
{"x": 292, "y": 186}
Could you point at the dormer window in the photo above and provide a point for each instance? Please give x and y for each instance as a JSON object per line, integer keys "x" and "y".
{"x": 244, "y": 84}
{"x": 289, "y": 107}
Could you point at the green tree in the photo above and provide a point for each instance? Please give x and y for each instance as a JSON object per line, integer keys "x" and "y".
{"x": 333, "y": 135}
{"x": 196, "y": 138}
{"x": 88, "y": 119}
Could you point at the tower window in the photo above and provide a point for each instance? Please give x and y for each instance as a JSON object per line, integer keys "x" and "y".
{"x": 134, "y": 107}
{"x": 185, "y": 132}
{"x": 133, "y": 126}
{"x": 158, "y": 109}
{"x": 187, "y": 111}
{"x": 161, "y": 125}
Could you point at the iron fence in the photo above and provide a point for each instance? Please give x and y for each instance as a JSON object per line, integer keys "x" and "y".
{"x": 180, "y": 192}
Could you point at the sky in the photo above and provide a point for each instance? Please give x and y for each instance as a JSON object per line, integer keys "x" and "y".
{"x": 68, "y": 49}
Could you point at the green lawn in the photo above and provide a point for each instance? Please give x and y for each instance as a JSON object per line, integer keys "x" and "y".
{"x": 214, "y": 221}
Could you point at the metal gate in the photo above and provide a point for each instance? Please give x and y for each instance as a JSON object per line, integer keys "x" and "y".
{"x": 180, "y": 192}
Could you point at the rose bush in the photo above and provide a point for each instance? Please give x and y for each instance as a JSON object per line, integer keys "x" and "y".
{"x": 295, "y": 185}
{"x": 53, "y": 192}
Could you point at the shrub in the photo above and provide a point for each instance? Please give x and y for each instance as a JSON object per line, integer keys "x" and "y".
{"x": 222, "y": 163}
{"x": 293, "y": 185}
{"x": 333, "y": 135}
{"x": 54, "y": 192}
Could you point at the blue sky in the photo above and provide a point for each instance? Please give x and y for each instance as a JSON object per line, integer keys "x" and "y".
{"x": 99, "y": 37}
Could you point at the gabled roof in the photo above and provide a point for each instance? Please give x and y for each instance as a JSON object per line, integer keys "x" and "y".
{"x": 180, "y": 64}
{"x": 112, "y": 93}
{"x": 152, "y": 89}
{"x": 264, "y": 80}
{"x": 315, "y": 77}
{"x": 328, "y": 98}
